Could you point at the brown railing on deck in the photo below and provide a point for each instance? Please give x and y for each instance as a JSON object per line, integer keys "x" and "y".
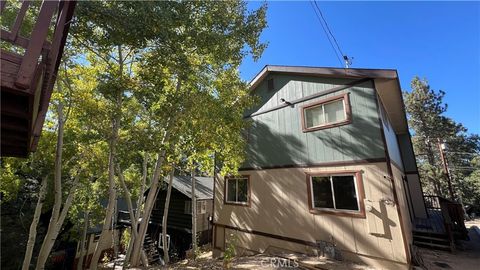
{"x": 453, "y": 216}
{"x": 432, "y": 202}
{"x": 38, "y": 48}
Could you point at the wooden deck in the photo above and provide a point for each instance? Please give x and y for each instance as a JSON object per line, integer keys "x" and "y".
{"x": 28, "y": 71}
{"x": 433, "y": 224}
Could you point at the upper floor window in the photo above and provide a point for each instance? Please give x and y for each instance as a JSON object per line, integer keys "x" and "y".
{"x": 336, "y": 193}
{"x": 237, "y": 190}
{"x": 201, "y": 207}
{"x": 326, "y": 113}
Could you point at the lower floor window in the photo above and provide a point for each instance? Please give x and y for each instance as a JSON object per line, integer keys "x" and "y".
{"x": 237, "y": 190}
{"x": 337, "y": 192}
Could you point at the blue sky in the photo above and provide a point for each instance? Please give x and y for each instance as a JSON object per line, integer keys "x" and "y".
{"x": 436, "y": 40}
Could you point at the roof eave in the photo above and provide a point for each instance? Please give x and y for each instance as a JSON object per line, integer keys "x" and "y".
{"x": 324, "y": 72}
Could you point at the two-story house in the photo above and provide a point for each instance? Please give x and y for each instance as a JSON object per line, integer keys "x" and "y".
{"x": 329, "y": 169}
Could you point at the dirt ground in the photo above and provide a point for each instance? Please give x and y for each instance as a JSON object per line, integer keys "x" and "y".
{"x": 468, "y": 258}
{"x": 264, "y": 262}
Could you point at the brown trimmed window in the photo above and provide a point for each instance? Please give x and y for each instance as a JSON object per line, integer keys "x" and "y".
{"x": 237, "y": 190}
{"x": 336, "y": 193}
{"x": 326, "y": 113}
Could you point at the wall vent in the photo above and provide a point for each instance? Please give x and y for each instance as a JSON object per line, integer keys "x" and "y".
{"x": 270, "y": 84}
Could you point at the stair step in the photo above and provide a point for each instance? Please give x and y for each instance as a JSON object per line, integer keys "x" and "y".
{"x": 151, "y": 251}
{"x": 434, "y": 246}
{"x": 422, "y": 237}
{"x": 431, "y": 234}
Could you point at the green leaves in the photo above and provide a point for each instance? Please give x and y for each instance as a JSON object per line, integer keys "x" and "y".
{"x": 151, "y": 68}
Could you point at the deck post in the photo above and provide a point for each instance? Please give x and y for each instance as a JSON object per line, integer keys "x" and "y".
{"x": 39, "y": 34}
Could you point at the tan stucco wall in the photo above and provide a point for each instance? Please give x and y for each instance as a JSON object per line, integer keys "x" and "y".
{"x": 279, "y": 206}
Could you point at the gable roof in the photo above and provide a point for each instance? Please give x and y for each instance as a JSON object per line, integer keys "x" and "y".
{"x": 386, "y": 83}
{"x": 203, "y": 186}
{"x": 324, "y": 72}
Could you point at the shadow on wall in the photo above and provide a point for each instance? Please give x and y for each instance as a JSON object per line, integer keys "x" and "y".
{"x": 267, "y": 147}
{"x": 280, "y": 208}
{"x": 271, "y": 144}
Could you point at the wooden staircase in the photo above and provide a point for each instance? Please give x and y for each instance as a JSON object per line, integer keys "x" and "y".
{"x": 443, "y": 226}
{"x": 151, "y": 250}
{"x": 432, "y": 240}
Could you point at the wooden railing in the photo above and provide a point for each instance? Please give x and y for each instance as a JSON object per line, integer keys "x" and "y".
{"x": 432, "y": 202}
{"x": 39, "y": 53}
{"x": 452, "y": 213}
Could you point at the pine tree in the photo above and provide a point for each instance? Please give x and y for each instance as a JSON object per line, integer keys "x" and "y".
{"x": 425, "y": 108}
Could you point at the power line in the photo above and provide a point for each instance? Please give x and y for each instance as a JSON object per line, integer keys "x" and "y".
{"x": 325, "y": 30}
{"x": 330, "y": 35}
{"x": 328, "y": 28}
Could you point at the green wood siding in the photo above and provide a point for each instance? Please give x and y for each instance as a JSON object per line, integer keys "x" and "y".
{"x": 176, "y": 216}
{"x": 276, "y": 138}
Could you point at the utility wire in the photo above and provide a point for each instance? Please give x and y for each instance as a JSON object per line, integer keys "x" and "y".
{"x": 318, "y": 13}
{"x": 328, "y": 28}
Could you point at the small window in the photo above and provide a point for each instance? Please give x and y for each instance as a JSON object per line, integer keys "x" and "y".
{"x": 201, "y": 207}
{"x": 188, "y": 207}
{"x": 327, "y": 113}
{"x": 335, "y": 192}
{"x": 237, "y": 190}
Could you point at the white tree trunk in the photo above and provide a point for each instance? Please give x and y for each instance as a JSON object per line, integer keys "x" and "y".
{"x": 33, "y": 227}
{"x": 48, "y": 243}
{"x": 194, "y": 216}
{"x": 99, "y": 247}
{"x": 152, "y": 195}
{"x": 128, "y": 198}
{"x": 138, "y": 212}
{"x": 166, "y": 258}
{"x": 142, "y": 187}
{"x": 107, "y": 222}
{"x": 44, "y": 250}
{"x": 82, "y": 242}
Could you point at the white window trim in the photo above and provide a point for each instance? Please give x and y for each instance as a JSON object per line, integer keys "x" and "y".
{"x": 236, "y": 191}
{"x": 323, "y": 112}
{"x": 160, "y": 242}
{"x": 333, "y": 193}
